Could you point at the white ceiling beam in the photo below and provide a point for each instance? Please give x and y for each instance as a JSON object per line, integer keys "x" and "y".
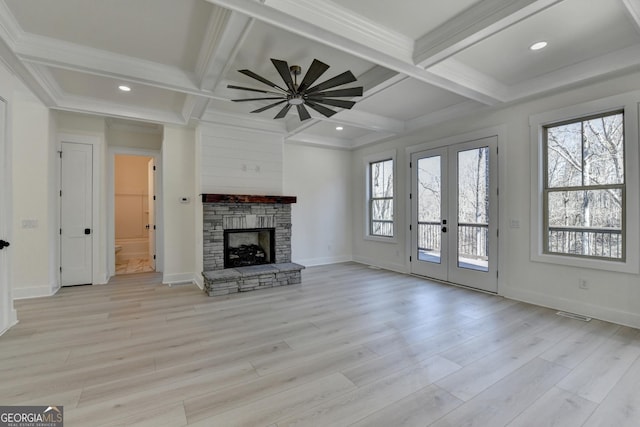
{"x": 340, "y": 37}
{"x": 614, "y": 62}
{"x": 80, "y": 104}
{"x": 478, "y": 22}
{"x": 633, "y": 9}
{"x": 225, "y": 34}
{"x": 470, "y": 77}
{"x": 70, "y": 56}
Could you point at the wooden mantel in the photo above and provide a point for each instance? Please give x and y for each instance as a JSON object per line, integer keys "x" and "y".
{"x": 243, "y": 198}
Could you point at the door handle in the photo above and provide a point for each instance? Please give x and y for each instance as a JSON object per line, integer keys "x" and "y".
{"x": 444, "y": 229}
{"x": 4, "y": 244}
{"x": 87, "y": 231}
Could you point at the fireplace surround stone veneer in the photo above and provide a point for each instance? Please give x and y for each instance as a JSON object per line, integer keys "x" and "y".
{"x": 237, "y": 212}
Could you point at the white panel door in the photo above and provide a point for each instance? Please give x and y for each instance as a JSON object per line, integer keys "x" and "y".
{"x": 5, "y": 299}
{"x": 76, "y": 230}
{"x": 151, "y": 227}
{"x": 454, "y": 208}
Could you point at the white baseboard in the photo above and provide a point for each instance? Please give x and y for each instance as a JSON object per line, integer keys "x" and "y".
{"x": 34, "y": 292}
{"x": 199, "y": 281}
{"x": 398, "y": 268}
{"x": 175, "y": 278}
{"x": 312, "y": 262}
{"x": 578, "y": 307}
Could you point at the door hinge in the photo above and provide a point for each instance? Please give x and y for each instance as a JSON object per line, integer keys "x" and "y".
{"x": 154, "y": 168}
{"x": 61, "y": 231}
{"x": 60, "y": 269}
{"x": 154, "y": 257}
{"x": 60, "y": 193}
{"x": 154, "y": 197}
{"x": 60, "y": 153}
{"x": 498, "y": 232}
{"x": 410, "y": 227}
{"x": 410, "y": 165}
{"x": 410, "y": 196}
{"x": 409, "y": 258}
{"x": 154, "y": 226}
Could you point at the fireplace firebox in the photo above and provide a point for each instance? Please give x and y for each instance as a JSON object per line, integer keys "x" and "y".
{"x": 245, "y": 247}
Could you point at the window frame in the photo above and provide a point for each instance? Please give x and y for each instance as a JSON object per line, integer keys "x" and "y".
{"x": 628, "y": 105}
{"x": 547, "y": 189}
{"x": 368, "y": 162}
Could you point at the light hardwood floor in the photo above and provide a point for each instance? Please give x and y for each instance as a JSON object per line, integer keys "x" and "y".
{"x": 351, "y": 346}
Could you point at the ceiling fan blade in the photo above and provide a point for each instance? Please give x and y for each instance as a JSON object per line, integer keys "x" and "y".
{"x": 327, "y": 112}
{"x": 340, "y": 79}
{"x": 335, "y": 102}
{"x": 260, "y": 79}
{"x": 283, "y": 112}
{"x": 352, "y": 91}
{"x": 251, "y": 89}
{"x": 260, "y": 110}
{"x": 285, "y": 73}
{"x": 302, "y": 112}
{"x": 257, "y": 99}
{"x": 315, "y": 71}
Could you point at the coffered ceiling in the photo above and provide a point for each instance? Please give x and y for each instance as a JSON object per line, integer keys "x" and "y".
{"x": 420, "y": 61}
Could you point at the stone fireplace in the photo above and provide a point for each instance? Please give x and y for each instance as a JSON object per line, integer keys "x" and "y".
{"x": 247, "y": 243}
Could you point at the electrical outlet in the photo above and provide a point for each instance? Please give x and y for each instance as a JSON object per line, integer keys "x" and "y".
{"x": 582, "y": 283}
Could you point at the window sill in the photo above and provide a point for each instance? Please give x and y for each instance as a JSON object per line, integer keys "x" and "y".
{"x": 594, "y": 264}
{"x": 371, "y": 238}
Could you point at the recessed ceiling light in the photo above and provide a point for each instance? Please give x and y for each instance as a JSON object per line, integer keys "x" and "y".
{"x": 124, "y": 88}
{"x": 538, "y": 46}
{"x": 339, "y": 128}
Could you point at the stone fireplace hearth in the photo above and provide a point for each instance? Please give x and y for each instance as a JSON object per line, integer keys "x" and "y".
{"x": 247, "y": 243}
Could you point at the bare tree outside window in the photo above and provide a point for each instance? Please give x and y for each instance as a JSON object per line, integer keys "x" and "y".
{"x": 381, "y": 198}
{"x": 585, "y": 187}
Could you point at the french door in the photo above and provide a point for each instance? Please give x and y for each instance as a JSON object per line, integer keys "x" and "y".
{"x": 454, "y": 205}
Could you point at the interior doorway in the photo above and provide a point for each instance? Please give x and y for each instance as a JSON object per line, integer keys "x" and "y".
{"x": 135, "y": 213}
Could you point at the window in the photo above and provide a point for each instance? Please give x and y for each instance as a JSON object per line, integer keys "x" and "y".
{"x": 381, "y": 198}
{"x": 584, "y": 187}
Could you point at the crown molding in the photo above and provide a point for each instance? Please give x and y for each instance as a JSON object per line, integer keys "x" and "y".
{"x": 478, "y": 22}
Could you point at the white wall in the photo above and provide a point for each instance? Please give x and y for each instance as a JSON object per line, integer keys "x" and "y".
{"x": 234, "y": 161}
{"x": 321, "y": 218}
{"x": 7, "y": 313}
{"x": 612, "y": 296}
{"x": 179, "y": 180}
{"x": 131, "y": 139}
{"x": 33, "y": 201}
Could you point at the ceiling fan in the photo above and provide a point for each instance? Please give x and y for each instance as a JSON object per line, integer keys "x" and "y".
{"x": 303, "y": 94}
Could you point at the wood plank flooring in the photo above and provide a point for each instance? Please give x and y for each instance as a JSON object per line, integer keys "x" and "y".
{"x": 351, "y": 346}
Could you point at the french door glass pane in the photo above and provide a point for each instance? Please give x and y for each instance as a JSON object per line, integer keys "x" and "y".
{"x": 429, "y": 209}
{"x": 473, "y": 209}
